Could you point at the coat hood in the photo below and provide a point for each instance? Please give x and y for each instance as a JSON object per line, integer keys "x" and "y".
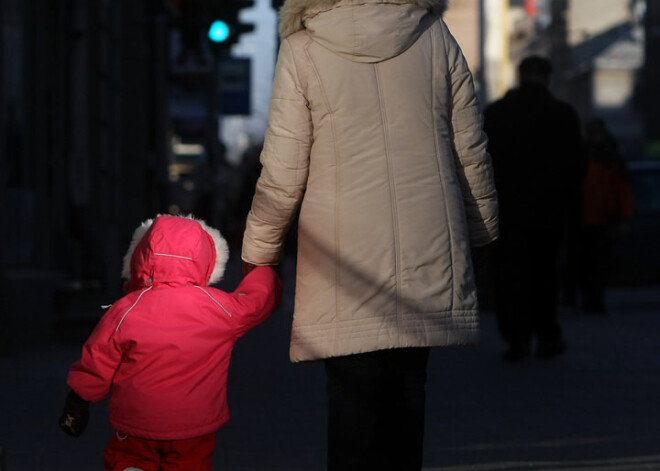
{"x": 360, "y": 30}
{"x": 174, "y": 250}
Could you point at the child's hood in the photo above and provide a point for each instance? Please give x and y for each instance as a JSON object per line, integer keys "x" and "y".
{"x": 174, "y": 250}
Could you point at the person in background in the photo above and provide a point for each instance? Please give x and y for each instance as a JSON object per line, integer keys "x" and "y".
{"x": 538, "y": 155}
{"x": 607, "y": 212}
{"x": 375, "y": 138}
{"x": 162, "y": 351}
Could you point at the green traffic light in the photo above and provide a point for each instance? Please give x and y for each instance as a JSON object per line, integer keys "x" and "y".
{"x": 219, "y": 31}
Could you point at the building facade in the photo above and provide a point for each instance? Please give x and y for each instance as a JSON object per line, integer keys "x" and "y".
{"x": 83, "y": 133}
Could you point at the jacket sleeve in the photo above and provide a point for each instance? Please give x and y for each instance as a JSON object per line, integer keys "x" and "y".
{"x": 473, "y": 163}
{"x": 285, "y": 160}
{"x": 91, "y": 376}
{"x": 256, "y": 297}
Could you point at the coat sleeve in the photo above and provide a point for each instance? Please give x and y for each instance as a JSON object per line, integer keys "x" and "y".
{"x": 473, "y": 163}
{"x": 255, "y": 299}
{"x": 285, "y": 160}
{"x": 91, "y": 376}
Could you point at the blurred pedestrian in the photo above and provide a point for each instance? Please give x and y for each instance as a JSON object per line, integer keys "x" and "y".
{"x": 538, "y": 155}
{"x": 375, "y": 134}
{"x": 607, "y": 213}
{"x": 162, "y": 352}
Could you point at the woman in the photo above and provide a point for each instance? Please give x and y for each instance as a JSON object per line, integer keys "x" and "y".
{"x": 375, "y": 137}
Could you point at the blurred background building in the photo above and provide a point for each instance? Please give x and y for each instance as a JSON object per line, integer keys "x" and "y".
{"x": 112, "y": 111}
{"x": 83, "y": 126}
{"x": 597, "y": 48}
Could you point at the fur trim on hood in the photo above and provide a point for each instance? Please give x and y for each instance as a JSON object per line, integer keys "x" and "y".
{"x": 293, "y": 12}
{"x": 221, "y": 248}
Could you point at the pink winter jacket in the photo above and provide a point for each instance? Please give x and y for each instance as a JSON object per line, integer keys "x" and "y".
{"x": 163, "y": 350}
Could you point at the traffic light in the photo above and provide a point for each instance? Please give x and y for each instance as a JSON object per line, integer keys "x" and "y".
{"x": 225, "y": 26}
{"x": 219, "y": 31}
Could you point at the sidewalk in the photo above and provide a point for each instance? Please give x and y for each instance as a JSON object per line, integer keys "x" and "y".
{"x": 596, "y": 408}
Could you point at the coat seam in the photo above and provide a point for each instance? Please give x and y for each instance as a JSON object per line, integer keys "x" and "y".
{"x": 439, "y": 320}
{"x": 302, "y": 85}
{"x": 158, "y": 254}
{"x": 336, "y": 207}
{"x": 214, "y": 300}
{"x": 393, "y": 197}
{"x": 131, "y": 308}
{"x": 436, "y": 137}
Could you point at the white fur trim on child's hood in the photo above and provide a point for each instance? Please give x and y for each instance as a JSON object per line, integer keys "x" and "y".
{"x": 221, "y": 248}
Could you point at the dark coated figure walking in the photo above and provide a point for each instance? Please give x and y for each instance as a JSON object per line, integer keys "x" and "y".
{"x": 537, "y": 150}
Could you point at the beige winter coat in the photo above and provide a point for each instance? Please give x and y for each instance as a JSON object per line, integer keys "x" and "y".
{"x": 375, "y": 133}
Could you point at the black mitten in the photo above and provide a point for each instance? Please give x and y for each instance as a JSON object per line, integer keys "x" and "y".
{"x": 75, "y": 415}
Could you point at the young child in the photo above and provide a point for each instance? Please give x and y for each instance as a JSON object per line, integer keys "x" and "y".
{"x": 162, "y": 351}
